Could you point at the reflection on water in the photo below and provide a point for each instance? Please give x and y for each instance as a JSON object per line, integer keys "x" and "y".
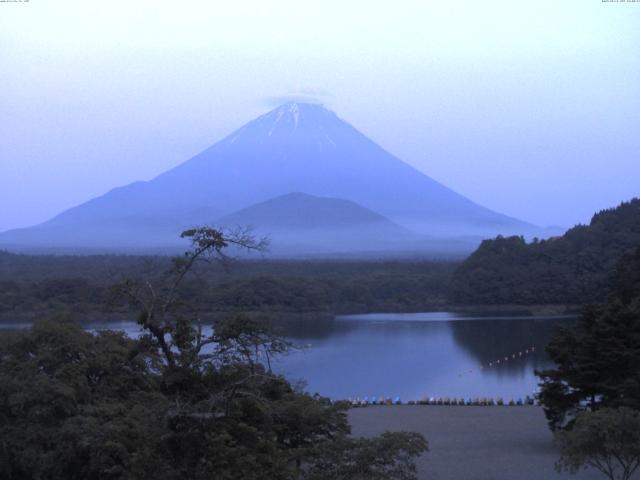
{"x": 410, "y": 355}
{"x": 420, "y": 355}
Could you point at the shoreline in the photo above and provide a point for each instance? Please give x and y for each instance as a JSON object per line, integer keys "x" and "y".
{"x": 19, "y": 316}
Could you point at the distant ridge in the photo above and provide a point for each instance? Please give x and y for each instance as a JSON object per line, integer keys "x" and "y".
{"x": 300, "y": 211}
{"x": 297, "y": 147}
{"x": 298, "y": 221}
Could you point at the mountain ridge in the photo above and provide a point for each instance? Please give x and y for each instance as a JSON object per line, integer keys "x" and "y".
{"x": 300, "y": 222}
{"x": 296, "y": 147}
{"x": 327, "y": 212}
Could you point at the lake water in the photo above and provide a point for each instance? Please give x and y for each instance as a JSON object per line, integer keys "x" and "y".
{"x": 421, "y": 355}
{"x": 414, "y": 355}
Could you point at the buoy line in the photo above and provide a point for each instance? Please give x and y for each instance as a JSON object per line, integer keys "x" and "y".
{"x": 501, "y": 361}
{"x": 445, "y": 401}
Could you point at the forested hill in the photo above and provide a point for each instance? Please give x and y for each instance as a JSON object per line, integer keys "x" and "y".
{"x": 572, "y": 269}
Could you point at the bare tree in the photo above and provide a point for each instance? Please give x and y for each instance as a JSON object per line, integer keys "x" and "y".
{"x": 170, "y": 323}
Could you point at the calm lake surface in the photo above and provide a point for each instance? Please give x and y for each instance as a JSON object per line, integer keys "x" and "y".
{"x": 423, "y": 354}
{"x": 413, "y": 355}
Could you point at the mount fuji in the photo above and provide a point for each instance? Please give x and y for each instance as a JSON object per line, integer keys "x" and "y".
{"x": 298, "y": 148}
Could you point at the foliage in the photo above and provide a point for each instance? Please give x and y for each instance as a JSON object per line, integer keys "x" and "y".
{"x": 38, "y": 285}
{"x": 388, "y": 456}
{"x": 76, "y": 405}
{"x": 177, "y": 403}
{"x": 572, "y": 269}
{"x": 607, "y": 440}
{"x": 598, "y": 359}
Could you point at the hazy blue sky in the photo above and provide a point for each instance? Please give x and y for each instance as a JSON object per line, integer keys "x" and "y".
{"x": 531, "y": 108}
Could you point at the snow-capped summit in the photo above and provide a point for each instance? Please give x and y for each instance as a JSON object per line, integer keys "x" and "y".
{"x": 308, "y": 120}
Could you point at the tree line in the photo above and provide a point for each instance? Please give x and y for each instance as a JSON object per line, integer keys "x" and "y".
{"x": 37, "y": 285}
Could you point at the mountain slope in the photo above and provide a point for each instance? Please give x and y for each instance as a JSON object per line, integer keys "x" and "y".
{"x": 572, "y": 269}
{"x": 130, "y": 230}
{"x": 300, "y": 222}
{"x": 299, "y": 211}
{"x": 294, "y": 148}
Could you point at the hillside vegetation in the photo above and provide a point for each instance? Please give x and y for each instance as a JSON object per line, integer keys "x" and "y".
{"x": 36, "y": 285}
{"x": 572, "y": 269}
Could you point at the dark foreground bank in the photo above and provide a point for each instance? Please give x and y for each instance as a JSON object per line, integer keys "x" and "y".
{"x": 473, "y": 443}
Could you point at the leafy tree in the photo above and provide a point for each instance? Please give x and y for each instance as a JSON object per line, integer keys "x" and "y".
{"x": 75, "y": 405}
{"x": 598, "y": 359}
{"x": 390, "y": 455}
{"x": 180, "y": 402}
{"x": 607, "y": 440}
